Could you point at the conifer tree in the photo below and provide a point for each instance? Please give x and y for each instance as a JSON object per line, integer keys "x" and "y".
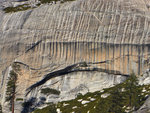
{"x": 11, "y": 89}
{"x": 132, "y": 91}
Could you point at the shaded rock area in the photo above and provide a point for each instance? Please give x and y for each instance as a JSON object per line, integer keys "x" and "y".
{"x": 111, "y": 36}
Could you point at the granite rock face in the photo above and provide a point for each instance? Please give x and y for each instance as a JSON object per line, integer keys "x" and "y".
{"x": 114, "y": 35}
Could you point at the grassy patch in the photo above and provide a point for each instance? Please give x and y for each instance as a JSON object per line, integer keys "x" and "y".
{"x": 19, "y": 99}
{"x": 50, "y": 1}
{"x": 48, "y": 91}
{"x": 17, "y": 8}
{"x": 27, "y": 6}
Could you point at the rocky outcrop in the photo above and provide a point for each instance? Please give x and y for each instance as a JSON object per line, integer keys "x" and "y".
{"x": 112, "y": 35}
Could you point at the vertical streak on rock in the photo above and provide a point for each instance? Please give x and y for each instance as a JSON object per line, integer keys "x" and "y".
{"x": 121, "y": 58}
{"x": 108, "y": 57}
{"x": 70, "y": 52}
{"x": 64, "y": 51}
{"x": 53, "y": 49}
{"x": 125, "y": 30}
{"x": 119, "y": 17}
{"x": 99, "y": 52}
{"x": 43, "y": 53}
{"x": 117, "y": 57}
{"x": 50, "y": 50}
{"x": 129, "y": 58}
{"x": 113, "y": 56}
{"x": 60, "y": 50}
{"x": 96, "y": 51}
{"x": 126, "y": 58}
{"x": 63, "y": 25}
{"x": 92, "y": 52}
{"x": 145, "y": 28}
{"x": 83, "y": 50}
{"x": 56, "y": 50}
{"x": 66, "y": 59}
{"x": 68, "y": 27}
{"x": 87, "y": 51}
{"x": 75, "y": 51}
{"x": 142, "y": 58}
{"x": 139, "y": 59}
{"x": 136, "y": 58}
{"x": 105, "y": 57}
{"x": 103, "y": 53}
{"x": 40, "y": 56}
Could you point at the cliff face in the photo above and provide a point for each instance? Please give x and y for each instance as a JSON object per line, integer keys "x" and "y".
{"x": 112, "y": 35}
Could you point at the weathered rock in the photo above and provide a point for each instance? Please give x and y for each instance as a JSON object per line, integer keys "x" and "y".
{"x": 113, "y": 35}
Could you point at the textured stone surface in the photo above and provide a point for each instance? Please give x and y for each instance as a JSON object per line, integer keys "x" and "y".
{"x": 113, "y": 34}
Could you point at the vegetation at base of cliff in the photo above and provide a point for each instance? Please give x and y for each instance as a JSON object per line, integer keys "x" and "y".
{"x": 48, "y": 91}
{"x": 19, "y": 99}
{"x": 49, "y": 109}
{"x": 1, "y": 109}
{"x": 50, "y": 1}
{"x": 17, "y": 8}
{"x": 27, "y": 6}
{"x": 125, "y": 97}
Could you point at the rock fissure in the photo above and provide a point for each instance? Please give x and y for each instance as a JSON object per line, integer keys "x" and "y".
{"x": 82, "y": 66}
{"x": 33, "y": 46}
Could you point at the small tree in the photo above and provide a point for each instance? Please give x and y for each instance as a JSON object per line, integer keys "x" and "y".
{"x": 11, "y": 89}
{"x": 132, "y": 91}
{"x": 116, "y": 101}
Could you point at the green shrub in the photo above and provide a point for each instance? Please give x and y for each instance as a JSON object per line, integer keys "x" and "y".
{"x": 48, "y": 91}
{"x": 19, "y": 99}
{"x": 49, "y": 1}
{"x": 17, "y": 8}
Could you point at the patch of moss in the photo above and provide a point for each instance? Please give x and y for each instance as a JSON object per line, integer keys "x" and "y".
{"x": 19, "y": 99}
{"x": 50, "y": 1}
{"x": 17, "y": 8}
{"x": 48, "y": 91}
